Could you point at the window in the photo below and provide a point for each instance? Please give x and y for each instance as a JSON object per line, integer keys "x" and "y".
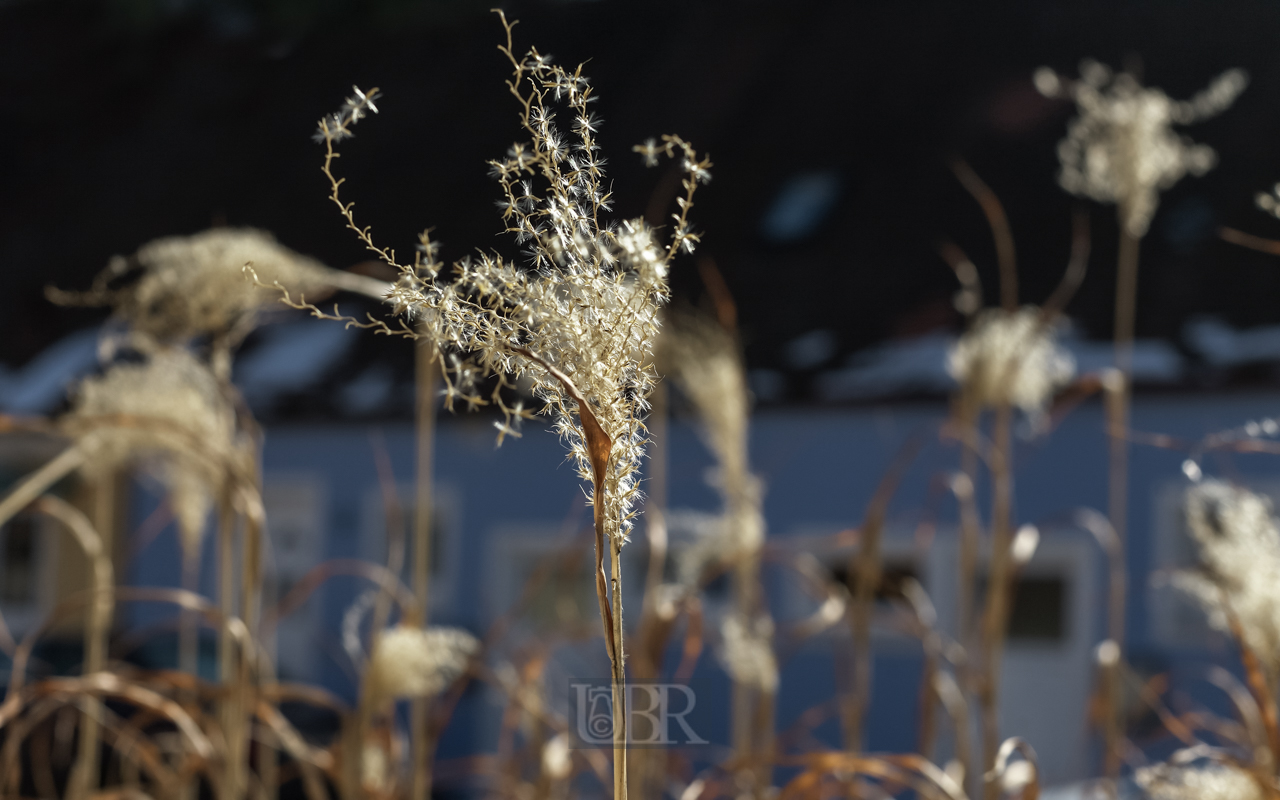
{"x": 893, "y": 576}
{"x": 1038, "y": 611}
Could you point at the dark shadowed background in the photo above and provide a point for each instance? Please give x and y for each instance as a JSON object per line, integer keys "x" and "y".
{"x": 831, "y": 125}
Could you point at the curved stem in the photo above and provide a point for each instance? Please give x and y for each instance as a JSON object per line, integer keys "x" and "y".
{"x": 97, "y": 626}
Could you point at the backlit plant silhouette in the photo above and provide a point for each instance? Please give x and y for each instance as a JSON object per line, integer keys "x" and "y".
{"x": 577, "y": 319}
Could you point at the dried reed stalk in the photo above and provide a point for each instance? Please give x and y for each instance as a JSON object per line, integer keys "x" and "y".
{"x": 865, "y": 564}
{"x": 999, "y": 588}
{"x": 84, "y": 778}
{"x": 426, "y": 381}
{"x": 648, "y": 766}
{"x": 1117, "y": 407}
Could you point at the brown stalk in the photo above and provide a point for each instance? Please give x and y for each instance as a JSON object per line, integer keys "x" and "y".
{"x": 1256, "y": 678}
{"x": 1113, "y": 732}
{"x": 1118, "y": 407}
{"x": 97, "y": 626}
{"x": 1250, "y": 241}
{"x": 38, "y": 482}
{"x": 865, "y": 564}
{"x": 233, "y": 626}
{"x": 252, "y": 665}
{"x": 999, "y": 223}
{"x": 648, "y": 766}
{"x": 307, "y": 758}
{"x": 952, "y": 699}
{"x": 999, "y": 590}
{"x": 228, "y": 673}
{"x": 599, "y": 447}
{"x": 425, "y": 382}
{"x": 1077, "y": 265}
{"x": 365, "y": 708}
{"x": 106, "y": 684}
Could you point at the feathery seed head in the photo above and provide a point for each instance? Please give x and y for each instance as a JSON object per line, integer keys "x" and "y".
{"x": 1010, "y": 358}
{"x": 169, "y": 414}
{"x": 578, "y": 322}
{"x": 1213, "y": 782}
{"x": 1239, "y": 548}
{"x": 747, "y": 651}
{"x": 1122, "y": 147}
{"x": 408, "y": 661}
{"x": 195, "y": 285}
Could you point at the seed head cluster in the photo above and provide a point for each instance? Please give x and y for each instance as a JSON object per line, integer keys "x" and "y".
{"x": 706, "y": 363}
{"x": 409, "y": 661}
{"x": 188, "y": 286}
{"x": 1010, "y": 358}
{"x": 1215, "y": 782}
{"x": 169, "y": 414}
{"x": 578, "y": 318}
{"x": 748, "y": 652}
{"x": 1122, "y": 147}
{"x": 1239, "y": 547}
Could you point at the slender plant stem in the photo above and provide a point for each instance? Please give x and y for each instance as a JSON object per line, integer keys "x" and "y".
{"x": 999, "y": 591}
{"x": 39, "y": 481}
{"x": 963, "y": 487}
{"x": 619, "y": 677}
{"x": 647, "y": 766}
{"x": 426, "y": 378}
{"x": 1118, "y": 485}
{"x": 97, "y": 620}
{"x": 189, "y": 648}
{"x": 227, "y": 671}
{"x": 250, "y": 600}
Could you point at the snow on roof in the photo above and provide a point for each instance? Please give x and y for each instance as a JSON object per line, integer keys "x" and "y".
{"x": 40, "y": 386}
{"x": 291, "y": 357}
{"x": 919, "y": 365}
{"x": 1222, "y": 345}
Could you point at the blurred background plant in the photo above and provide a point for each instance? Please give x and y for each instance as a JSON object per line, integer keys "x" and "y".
{"x": 822, "y": 390}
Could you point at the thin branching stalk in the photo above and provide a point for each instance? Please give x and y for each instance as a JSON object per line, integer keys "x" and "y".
{"x": 426, "y": 381}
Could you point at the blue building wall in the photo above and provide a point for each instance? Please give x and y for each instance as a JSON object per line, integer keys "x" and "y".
{"x": 820, "y": 468}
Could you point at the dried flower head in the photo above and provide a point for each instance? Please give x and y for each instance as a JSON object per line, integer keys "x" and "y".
{"x": 408, "y": 661}
{"x": 1269, "y": 201}
{"x": 706, "y": 363}
{"x": 578, "y": 320}
{"x": 1010, "y": 358}
{"x": 1122, "y": 147}
{"x": 747, "y": 651}
{"x": 1239, "y": 547}
{"x": 1213, "y": 782}
{"x": 189, "y": 286}
{"x": 169, "y": 414}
